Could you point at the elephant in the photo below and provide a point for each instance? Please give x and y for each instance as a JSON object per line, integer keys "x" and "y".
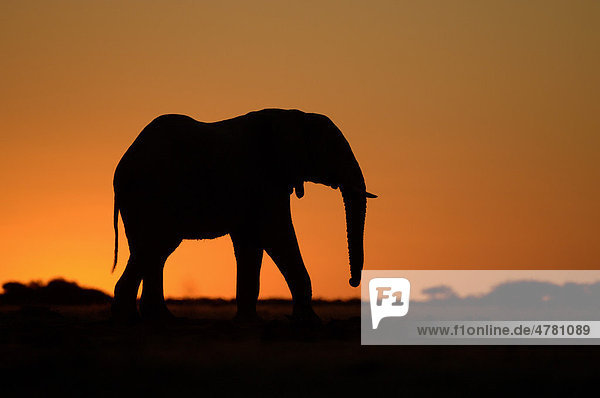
{"x": 185, "y": 179}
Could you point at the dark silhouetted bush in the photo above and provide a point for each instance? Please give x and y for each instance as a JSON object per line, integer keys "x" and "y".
{"x": 57, "y": 291}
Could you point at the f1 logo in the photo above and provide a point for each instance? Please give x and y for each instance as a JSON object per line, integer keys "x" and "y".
{"x": 389, "y": 297}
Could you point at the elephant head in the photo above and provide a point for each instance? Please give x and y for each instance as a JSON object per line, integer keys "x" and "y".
{"x": 329, "y": 160}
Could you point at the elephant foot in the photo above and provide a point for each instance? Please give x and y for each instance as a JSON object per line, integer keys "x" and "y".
{"x": 304, "y": 315}
{"x": 244, "y": 318}
{"x": 124, "y": 314}
{"x": 156, "y": 314}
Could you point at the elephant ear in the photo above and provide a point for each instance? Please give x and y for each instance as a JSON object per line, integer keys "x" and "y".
{"x": 286, "y": 158}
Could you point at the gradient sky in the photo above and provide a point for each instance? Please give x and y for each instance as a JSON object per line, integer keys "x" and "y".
{"x": 477, "y": 124}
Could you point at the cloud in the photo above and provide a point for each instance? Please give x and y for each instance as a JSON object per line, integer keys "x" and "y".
{"x": 525, "y": 299}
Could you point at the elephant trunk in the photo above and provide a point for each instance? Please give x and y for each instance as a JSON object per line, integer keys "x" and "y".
{"x": 355, "y": 204}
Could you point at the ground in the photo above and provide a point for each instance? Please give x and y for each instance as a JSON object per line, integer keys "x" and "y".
{"x": 77, "y": 351}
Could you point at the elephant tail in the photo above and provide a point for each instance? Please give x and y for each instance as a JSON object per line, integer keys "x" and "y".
{"x": 116, "y": 226}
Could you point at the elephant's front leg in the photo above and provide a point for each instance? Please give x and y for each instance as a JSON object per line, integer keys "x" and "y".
{"x": 248, "y": 255}
{"x": 282, "y": 246}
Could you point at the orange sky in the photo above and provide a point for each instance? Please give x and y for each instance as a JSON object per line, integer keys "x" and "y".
{"x": 477, "y": 124}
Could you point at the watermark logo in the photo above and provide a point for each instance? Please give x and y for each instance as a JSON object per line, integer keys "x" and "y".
{"x": 389, "y": 297}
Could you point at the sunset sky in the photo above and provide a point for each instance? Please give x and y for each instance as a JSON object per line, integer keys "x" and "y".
{"x": 477, "y": 124}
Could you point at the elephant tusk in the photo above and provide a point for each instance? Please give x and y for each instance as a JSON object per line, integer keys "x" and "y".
{"x": 359, "y": 191}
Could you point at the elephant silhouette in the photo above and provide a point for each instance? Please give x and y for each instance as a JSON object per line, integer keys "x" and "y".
{"x": 185, "y": 179}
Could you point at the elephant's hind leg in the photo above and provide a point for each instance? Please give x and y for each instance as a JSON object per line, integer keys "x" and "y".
{"x": 124, "y": 307}
{"x": 152, "y": 259}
